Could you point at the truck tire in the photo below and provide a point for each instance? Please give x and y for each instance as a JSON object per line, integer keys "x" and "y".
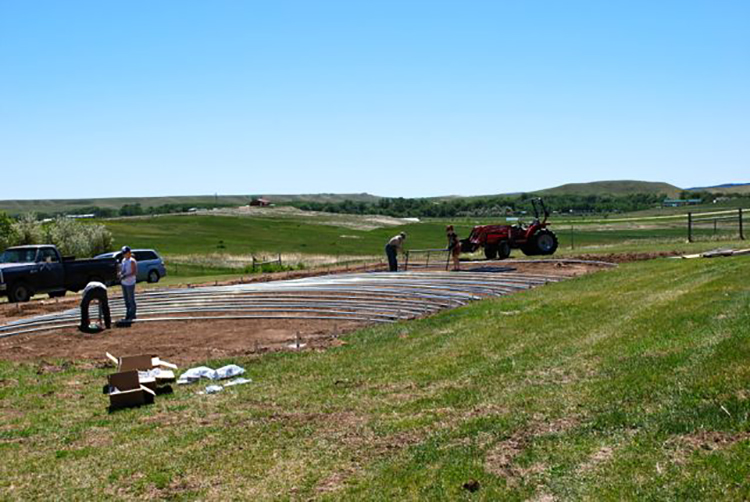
{"x": 19, "y": 292}
{"x": 503, "y": 250}
{"x": 490, "y": 252}
{"x": 545, "y": 242}
{"x": 153, "y": 276}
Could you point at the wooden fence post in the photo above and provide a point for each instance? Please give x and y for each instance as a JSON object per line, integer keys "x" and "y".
{"x": 690, "y": 227}
{"x": 742, "y": 234}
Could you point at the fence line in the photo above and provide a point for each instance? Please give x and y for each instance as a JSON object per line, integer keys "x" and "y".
{"x": 411, "y": 257}
{"x": 730, "y": 219}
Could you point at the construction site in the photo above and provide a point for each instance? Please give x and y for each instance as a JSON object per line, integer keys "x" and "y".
{"x": 209, "y": 321}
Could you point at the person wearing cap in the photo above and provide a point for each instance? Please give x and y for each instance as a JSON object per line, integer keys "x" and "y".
{"x": 392, "y": 249}
{"x": 127, "y": 275}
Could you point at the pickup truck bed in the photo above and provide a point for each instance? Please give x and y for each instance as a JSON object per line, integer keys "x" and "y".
{"x": 29, "y": 270}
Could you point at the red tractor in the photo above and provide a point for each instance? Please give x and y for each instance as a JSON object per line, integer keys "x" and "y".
{"x": 498, "y": 240}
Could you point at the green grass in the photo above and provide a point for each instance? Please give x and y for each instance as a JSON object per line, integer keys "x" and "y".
{"x": 628, "y": 384}
{"x": 180, "y": 237}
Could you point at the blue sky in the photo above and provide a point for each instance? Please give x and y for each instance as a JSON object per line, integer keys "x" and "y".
{"x": 398, "y": 98}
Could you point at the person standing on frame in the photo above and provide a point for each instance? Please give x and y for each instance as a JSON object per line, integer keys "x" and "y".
{"x": 128, "y": 273}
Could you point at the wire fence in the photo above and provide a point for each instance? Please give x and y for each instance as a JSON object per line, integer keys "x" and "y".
{"x": 729, "y": 224}
{"x": 424, "y": 258}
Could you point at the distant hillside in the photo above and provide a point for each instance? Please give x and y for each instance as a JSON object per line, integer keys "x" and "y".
{"x": 725, "y": 188}
{"x": 52, "y": 206}
{"x": 622, "y": 187}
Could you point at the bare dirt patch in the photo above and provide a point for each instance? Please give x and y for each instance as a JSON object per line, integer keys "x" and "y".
{"x": 501, "y": 459}
{"x": 707, "y": 441}
{"x": 181, "y": 342}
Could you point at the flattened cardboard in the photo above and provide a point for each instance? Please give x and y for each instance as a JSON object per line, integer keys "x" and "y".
{"x": 126, "y": 390}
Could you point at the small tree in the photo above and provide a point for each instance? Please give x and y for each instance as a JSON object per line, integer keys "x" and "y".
{"x": 99, "y": 238}
{"x": 7, "y": 233}
{"x": 28, "y": 230}
{"x": 74, "y": 238}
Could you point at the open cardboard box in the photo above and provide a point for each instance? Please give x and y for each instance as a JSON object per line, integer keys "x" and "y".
{"x": 126, "y": 390}
{"x": 146, "y": 363}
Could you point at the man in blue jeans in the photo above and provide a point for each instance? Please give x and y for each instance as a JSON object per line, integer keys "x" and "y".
{"x": 392, "y": 249}
{"x": 128, "y": 273}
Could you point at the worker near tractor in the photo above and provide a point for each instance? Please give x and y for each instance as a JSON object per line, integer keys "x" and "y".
{"x": 392, "y": 249}
{"x": 127, "y": 275}
{"x": 454, "y": 246}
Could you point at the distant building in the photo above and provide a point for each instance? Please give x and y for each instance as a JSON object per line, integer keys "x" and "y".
{"x": 680, "y": 202}
{"x": 260, "y": 201}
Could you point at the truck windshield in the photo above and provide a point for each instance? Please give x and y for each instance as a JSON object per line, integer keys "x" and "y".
{"x": 18, "y": 256}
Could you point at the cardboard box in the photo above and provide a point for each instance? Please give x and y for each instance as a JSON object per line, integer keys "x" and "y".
{"x": 146, "y": 363}
{"x": 126, "y": 391}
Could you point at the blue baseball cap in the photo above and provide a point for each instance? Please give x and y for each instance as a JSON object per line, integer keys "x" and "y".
{"x": 125, "y": 249}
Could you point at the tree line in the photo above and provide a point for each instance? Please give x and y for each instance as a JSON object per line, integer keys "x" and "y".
{"x": 503, "y": 205}
{"x": 488, "y": 206}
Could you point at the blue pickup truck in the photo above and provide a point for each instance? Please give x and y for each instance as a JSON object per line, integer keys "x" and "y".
{"x": 29, "y": 270}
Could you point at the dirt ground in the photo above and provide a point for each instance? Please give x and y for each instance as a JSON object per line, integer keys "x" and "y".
{"x": 179, "y": 342}
{"x": 189, "y": 342}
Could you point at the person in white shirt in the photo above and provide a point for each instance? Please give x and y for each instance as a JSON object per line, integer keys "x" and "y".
{"x": 95, "y": 291}
{"x": 392, "y": 249}
{"x": 127, "y": 275}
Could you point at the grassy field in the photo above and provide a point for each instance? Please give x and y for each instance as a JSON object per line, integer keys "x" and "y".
{"x": 208, "y": 248}
{"x": 628, "y": 384}
{"x": 182, "y": 237}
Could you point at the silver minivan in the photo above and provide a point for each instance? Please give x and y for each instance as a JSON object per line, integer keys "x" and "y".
{"x": 150, "y": 265}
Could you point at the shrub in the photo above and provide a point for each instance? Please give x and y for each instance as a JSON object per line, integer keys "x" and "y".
{"x": 27, "y": 230}
{"x": 74, "y": 238}
{"x": 7, "y": 233}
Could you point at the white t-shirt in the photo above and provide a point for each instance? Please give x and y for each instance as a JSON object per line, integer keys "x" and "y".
{"x": 128, "y": 267}
{"x": 94, "y": 285}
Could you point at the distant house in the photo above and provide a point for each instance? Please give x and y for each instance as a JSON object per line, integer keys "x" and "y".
{"x": 260, "y": 201}
{"x": 680, "y": 202}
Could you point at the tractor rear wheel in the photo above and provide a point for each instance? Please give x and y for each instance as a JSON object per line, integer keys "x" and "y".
{"x": 490, "y": 252}
{"x": 503, "y": 250}
{"x": 545, "y": 242}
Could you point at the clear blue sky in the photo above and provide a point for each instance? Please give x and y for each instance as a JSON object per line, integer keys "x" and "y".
{"x": 399, "y": 98}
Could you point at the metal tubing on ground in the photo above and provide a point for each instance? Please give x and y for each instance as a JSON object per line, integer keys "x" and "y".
{"x": 366, "y": 297}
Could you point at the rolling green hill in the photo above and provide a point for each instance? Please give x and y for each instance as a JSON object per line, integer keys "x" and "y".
{"x": 741, "y": 188}
{"x": 73, "y": 205}
{"x": 621, "y": 187}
